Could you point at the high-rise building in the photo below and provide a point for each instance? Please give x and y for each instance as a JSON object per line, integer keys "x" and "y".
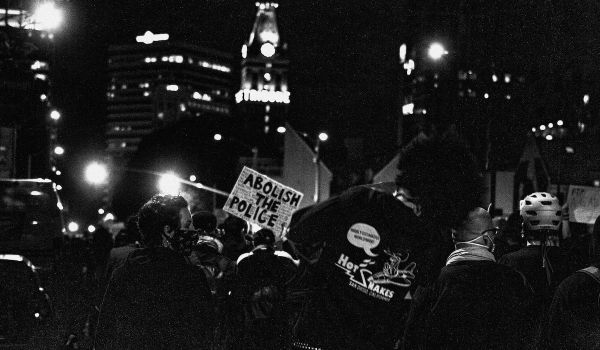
{"x": 28, "y": 123}
{"x": 264, "y": 95}
{"x": 156, "y": 82}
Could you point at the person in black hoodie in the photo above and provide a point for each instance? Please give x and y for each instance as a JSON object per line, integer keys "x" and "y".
{"x": 475, "y": 302}
{"x": 157, "y": 300}
{"x": 541, "y": 261}
{"x": 363, "y": 253}
{"x": 262, "y": 277}
{"x": 573, "y": 321}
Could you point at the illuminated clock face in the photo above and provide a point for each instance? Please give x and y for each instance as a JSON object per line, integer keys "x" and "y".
{"x": 267, "y": 49}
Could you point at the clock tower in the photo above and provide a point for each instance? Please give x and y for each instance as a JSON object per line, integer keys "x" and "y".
{"x": 264, "y": 96}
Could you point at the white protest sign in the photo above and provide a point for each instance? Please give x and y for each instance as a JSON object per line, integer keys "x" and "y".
{"x": 262, "y": 201}
{"x": 584, "y": 204}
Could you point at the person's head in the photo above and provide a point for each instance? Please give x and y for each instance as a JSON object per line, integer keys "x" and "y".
{"x": 477, "y": 230}
{"x": 235, "y": 229}
{"x": 541, "y": 214}
{"x": 264, "y": 237}
{"x": 205, "y": 221}
{"x": 442, "y": 178}
{"x": 161, "y": 218}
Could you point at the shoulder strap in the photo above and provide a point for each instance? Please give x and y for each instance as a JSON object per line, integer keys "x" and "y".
{"x": 593, "y": 272}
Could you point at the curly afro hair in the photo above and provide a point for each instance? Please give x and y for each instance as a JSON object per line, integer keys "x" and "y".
{"x": 442, "y": 173}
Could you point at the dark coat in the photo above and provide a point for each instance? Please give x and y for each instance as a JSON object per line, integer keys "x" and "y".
{"x": 574, "y": 316}
{"x": 156, "y": 301}
{"x": 472, "y": 305}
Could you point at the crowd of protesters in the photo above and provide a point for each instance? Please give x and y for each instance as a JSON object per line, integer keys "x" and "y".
{"x": 418, "y": 265}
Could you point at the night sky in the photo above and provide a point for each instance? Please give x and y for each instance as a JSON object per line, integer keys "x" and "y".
{"x": 344, "y": 63}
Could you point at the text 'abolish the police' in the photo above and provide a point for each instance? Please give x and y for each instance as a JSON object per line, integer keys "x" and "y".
{"x": 261, "y": 200}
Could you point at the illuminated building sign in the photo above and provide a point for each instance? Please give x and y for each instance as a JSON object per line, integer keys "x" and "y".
{"x": 266, "y": 96}
{"x": 149, "y": 37}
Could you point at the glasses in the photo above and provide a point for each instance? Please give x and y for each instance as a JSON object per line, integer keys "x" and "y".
{"x": 494, "y": 231}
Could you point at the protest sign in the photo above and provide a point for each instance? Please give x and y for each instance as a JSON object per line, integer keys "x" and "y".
{"x": 584, "y": 204}
{"x": 262, "y": 201}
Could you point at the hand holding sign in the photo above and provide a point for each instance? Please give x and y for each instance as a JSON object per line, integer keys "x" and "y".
{"x": 263, "y": 201}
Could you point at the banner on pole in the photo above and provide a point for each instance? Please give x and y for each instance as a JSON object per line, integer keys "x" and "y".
{"x": 262, "y": 201}
{"x": 584, "y": 204}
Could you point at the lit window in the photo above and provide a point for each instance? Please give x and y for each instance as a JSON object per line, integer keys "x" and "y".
{"x": 486, "y": 95}
{"x": 190, "y": 60}
{"x": 494, "y": 78}
{"x": 124, "y": 86}
{"x": 164, "y": 59}
{"x": 182, "y": 107}
{"x": 267, "y": 76}
{"x": 267, "y": 108}
{"x": 266, "y": 129}
{"x": 123, "y": 144}
{"x": 172, "y": 87}
{"x": 507, "y": 78}
{"x": 559, "y": 123}
{"x": 179, "y": 59}
{"x": 586, "y": 99}
{"x": 508, "y": 97}
{"x": 146, "y": 93}
{"x": 42, "y": 77}
{"x": 267, "y": 118}
{"x": 549, "y": 137}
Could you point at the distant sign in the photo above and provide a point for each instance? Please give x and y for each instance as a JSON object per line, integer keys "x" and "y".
{"x": 262, "y": 201}
{"x": 584, "y": 204}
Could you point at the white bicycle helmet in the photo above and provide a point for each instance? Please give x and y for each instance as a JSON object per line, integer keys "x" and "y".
{"x": 540, "y": 211}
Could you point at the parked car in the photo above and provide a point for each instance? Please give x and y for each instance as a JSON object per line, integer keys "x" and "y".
{"x": 24, "y": 304}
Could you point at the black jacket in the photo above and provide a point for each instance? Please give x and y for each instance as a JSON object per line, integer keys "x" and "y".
{"x": 472, "y": 305}
{"x": 574, "y": 317}
{"x": 528, "y": 261}
{"x": 156, "y": 301}
{"x": 369, "y": 252}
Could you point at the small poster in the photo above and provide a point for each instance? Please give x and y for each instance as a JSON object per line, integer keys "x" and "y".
{"x": 262, "y": 201}
{"x": 584, "y": 204}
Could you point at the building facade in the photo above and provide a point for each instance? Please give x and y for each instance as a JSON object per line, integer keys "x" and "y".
{"x": 263, "y": 98}
{"x": 157, "y": 82}
{"x": 28, "y": 122}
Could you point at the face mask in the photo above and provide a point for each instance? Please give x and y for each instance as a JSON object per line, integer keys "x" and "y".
{"x": 485, "y": 233}
{"x": 182, "y": 240}
{"x": 472, "y": 242}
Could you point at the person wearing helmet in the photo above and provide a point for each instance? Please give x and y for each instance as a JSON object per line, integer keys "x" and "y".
{"x": 541, "y": 261}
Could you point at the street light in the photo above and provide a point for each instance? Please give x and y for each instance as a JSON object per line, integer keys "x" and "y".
{"x": 96, "y": 173}
{"x": 169, "y": 183}
{"x": 73, "y": 226}
{"x": 47, "y": 17}
{"x": 59, "y": 151}
{"x": 55, "y": 115}
{"x": 436, "y": 51}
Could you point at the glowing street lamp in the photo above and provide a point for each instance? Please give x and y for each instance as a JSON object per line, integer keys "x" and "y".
{"x": 436, "y": 51}
{"x": 323, "y": 137}
{"x": 281, "y": 130}
{"x": 169, "y": 183}
{"x": 218, "y": 137}
{"x": 73, "y": 226}
{"x": 47, "y": 16}
{"x": 59, "y": 150}
{"x": 55, "y": 115}
{"x": 96, "y": 173}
